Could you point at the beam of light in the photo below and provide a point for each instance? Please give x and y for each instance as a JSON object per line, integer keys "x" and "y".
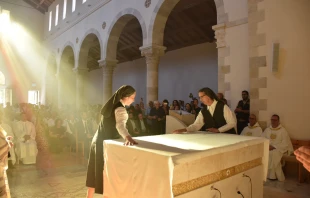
{"x": 5, "y": 21}
{"x": 23, "y": 55}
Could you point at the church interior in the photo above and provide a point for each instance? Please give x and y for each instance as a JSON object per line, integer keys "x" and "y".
{"x": 61, "y": 61}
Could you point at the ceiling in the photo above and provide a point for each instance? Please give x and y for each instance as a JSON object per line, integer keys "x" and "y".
{"x": 189, "y": 23}
{"x": 41, "y": 5}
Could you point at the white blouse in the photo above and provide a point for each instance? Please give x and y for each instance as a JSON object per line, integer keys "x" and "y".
{"x": 229, "y": 116}
{"x": 121, "y": 117}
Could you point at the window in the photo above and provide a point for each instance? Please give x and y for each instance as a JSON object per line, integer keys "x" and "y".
{"x": 33, "y": 97}
{"x": 83, "y": 1}
{"x": 73, "y": 5}
{"x": 64, "y": 10}
{"x": 2, "y": 78}
{"x": 56, "y": 15}
{"x": 50, "y": 22}
{"x": 5, "y": 22}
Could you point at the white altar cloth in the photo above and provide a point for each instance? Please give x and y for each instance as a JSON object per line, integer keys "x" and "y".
{"x": 160, "y": 165}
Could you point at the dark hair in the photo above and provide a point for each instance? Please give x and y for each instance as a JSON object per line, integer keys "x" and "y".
{"x": 127, "y": 91}
{"x": 209, "y": 93}
{"x": 176, "y": 101}
{"x": 190, "y": 106}
{"x": 276, "y": 115}
{"x": 165, "y": 101}
{"x": 245, "y": 91}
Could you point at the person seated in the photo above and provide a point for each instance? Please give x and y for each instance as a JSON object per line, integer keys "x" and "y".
{"x": 196, "y": 108}
{"x": 158, "y": 117}
{"x": 26, "y": 145}
{"x": 303, "y": 156}
{"x": 253, "y": 128}
{"x": 57, "y": 136}
{"x": 142, "y": 125}
{"x": 279, "y": 145}
{"x": 132, "y": 125}
{"x": 174, "y": 104}
{"x": 165, "y": 106}
{"x": 177, "y": 107}
{"x": 188, "y": 108}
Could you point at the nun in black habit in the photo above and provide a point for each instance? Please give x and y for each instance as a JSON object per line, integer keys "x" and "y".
{"x": 112, "y": 126}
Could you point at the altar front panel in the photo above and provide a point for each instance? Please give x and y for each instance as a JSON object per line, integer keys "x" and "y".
{"x": 176, "y": 165}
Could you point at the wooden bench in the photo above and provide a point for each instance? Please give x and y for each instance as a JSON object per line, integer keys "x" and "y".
{"x": 292, "y": 158}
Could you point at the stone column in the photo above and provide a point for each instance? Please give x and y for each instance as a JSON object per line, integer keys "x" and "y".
{"x": 223, "y": 52}
{"x": 80, "y": 81}
{"x": 59, "y": 95}
{"x": 107, "y": 72}
{"x": 152, "y": 55}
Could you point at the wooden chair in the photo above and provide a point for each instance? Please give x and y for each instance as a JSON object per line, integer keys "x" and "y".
{"x": 292, "y": 158}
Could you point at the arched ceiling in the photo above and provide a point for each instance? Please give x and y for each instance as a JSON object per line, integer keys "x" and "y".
{"x": 189, "y": 23}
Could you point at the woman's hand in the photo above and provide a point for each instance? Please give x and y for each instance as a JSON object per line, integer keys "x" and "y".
{"x": 9, "y": 139}
{"x": 129, "y": 141}
{"x": 303, "y": 155}
{"x": 179, "y": 131}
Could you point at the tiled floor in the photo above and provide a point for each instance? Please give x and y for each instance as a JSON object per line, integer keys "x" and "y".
{"x": 62, "y": 176}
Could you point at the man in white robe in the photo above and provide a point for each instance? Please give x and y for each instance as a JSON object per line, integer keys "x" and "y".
{"x": 253, "y": 128}
{"x": 279, "y": 145}
{"x": 26, "y": 146}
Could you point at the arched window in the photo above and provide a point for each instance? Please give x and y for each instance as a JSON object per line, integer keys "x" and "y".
{"x": 2, "y": 78}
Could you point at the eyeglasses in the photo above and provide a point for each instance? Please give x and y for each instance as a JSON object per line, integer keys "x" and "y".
{"x": 274, "y": 119}
{"x": 201, "y": 96}
{"x": 251, "y": 118}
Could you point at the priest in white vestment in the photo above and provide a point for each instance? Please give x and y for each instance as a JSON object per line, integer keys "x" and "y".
{"x": 279, "y": 145}
{"x": 26, "y": 146}
{"x": 253, "y": 128}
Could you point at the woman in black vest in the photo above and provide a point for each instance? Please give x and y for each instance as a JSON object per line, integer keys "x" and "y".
{"x": 215, "y": 116}
{"x": 112, "y": 126}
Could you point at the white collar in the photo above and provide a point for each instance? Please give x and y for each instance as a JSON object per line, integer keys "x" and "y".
{"x": 213, "y": 105}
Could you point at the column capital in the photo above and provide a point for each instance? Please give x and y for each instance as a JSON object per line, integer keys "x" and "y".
{"x": 152, "y": 50}
{"x": 107, "y": 63}
{"x": 220, "y": 34}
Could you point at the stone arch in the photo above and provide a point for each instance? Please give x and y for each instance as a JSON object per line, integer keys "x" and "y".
{"x": 67, "y": 44}
{"x": 95, "y": 32}
{"x": 115, "y": 30}
{"x": 84, "y": 47}
{"x": 160, "y": 16}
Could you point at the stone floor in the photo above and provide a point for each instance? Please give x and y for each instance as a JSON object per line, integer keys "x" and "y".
{"x": 63, "y": 176}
